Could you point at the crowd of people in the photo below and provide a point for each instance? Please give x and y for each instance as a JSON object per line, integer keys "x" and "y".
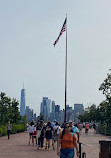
{"x": 64, "y": 138}
{"x": 41, "y": 133}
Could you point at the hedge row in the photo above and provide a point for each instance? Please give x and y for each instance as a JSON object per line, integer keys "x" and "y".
{"x": 16, "y": 128}
{"x": 3, "y": 130}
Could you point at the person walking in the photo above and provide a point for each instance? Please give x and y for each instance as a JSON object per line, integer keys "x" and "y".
{"x": 56, "y": 132}
{"x": 86, "y": 127}
{"x": 34, "y": 134}
{"x": 74, "y": 130}
{"x": 48, "y": 134}
{"x": 40, "y": 134}
{"x": 66, "y": 143}
{"x": 31, "y": 130}
{"x": 94, "y": 127}
{"x": 9, "y": 129}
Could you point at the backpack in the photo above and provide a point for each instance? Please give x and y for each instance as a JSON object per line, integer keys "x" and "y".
{"x": 55, "y": 131}
{"x": 72, "y": 135}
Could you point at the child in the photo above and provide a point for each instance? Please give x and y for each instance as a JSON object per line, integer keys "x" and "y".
{"x": 34, "y": 134}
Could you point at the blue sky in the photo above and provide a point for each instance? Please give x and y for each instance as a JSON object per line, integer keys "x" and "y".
{"x": 28, "y": 30}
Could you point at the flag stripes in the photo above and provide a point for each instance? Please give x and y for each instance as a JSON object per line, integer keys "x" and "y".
{"x": 62, "y": 30}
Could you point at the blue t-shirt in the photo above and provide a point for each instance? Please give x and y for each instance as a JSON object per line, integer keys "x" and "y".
{"x": 75, "y": 130}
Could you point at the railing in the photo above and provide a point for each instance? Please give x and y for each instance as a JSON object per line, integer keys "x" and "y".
{"x": 103, "y": 129}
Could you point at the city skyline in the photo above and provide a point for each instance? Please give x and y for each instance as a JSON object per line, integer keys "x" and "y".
{"x": 52, "y": 112}
{"x": 23, "y": 105}
{"x": 28, "y": 31}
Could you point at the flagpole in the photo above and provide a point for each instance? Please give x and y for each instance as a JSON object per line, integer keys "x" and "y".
{"x": 66, "y": 74}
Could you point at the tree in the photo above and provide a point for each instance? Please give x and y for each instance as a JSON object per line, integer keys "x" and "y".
{"x": 15, "y": 111}
{"x": 103, "y": 111}
{"x": 4, "y": 103}
{"x": 8, "y": 109}
{"x": 105, "y": 87}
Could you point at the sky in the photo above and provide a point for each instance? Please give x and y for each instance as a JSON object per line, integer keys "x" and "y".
{"x": 28, "y": 30}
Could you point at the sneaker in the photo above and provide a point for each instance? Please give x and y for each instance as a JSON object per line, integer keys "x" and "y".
{"x": 38, "y": 147}
{"x": 46, "y": 147}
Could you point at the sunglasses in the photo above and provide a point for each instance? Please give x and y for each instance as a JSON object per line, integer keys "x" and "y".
{"x": 67, "y": 127}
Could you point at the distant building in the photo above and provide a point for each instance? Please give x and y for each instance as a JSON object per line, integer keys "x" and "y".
{"x": 45, "y": 108}
{"x": 52, "y": 114}
{"x": 78, "y": 110}
{"x": 53, "y": 107}
{"x": 29, "y": 114}
{"x": 61, "y": 117}
{"x": 22, "y": 103}
{"x": 57, "y": 108}
{"x": 87, "y": 109}
{"x": 69, "y": 113}
{"x": 57, "y": 113}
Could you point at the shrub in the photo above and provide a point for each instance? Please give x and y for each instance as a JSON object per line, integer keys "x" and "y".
{"x": 16, "y": 128}
{"x": 3, "y": 130}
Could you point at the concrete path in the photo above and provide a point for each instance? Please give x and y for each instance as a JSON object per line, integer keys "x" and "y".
{"x": 17, "y": 146}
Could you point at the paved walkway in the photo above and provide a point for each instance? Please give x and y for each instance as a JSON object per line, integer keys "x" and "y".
{"x": 91, "y": 143}
{"x": 17, "y": 146}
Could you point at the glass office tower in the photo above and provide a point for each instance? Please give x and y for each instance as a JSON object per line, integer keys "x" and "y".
{"x": 22, "y": 103}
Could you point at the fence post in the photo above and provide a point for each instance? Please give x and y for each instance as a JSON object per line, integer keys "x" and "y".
{"x": 83, "y": 155}
{"x": 80, "y": 150}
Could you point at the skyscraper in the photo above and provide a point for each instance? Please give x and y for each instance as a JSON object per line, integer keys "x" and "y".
{"x": 22, "y": 103}
{"x": 57, "y": 108}
{"x": 79, "y": 108}
{"x": 45, "y": 108}
{"x": 53, "y": 108}
{"x": 52, "y": 114}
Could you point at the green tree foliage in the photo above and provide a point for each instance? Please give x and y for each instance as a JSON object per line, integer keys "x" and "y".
{"x": 90, "y": 115}
{"x": 105, "y": 87}
{"x": 15, "y": 110}
{"x": 103, "y": 112}
{"x": 8, "y": 109}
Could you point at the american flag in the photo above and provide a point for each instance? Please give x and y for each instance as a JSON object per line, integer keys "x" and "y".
{"x": 62, "y": 30}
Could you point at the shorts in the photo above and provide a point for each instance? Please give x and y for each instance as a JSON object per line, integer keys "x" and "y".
{"x": 55, "y": 137}
{"x": 30, "y": 134}
{"x": 48, "y": 137}
{"x": 33, "y": 136}
{"x": 67, "y": 153}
